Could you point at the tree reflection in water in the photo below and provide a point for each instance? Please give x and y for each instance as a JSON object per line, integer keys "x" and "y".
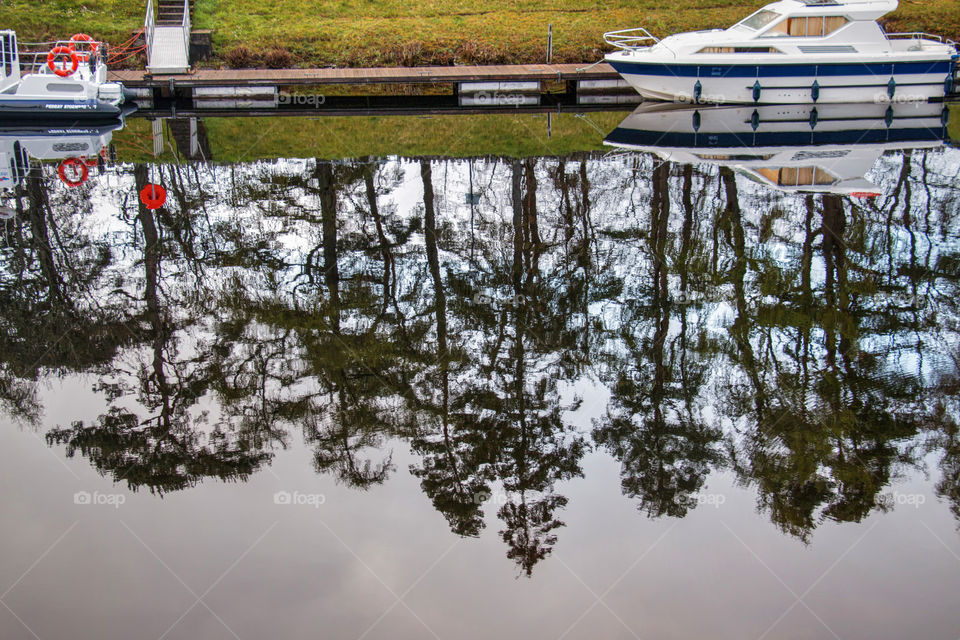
{"x": 807, "y": 344}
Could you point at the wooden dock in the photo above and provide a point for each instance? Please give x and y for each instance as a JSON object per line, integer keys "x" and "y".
{"x": 360, "y": 76}
{"x": 490, "y": 87}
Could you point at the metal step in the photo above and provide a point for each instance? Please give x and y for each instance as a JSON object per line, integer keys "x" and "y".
{"x": 170, "y": 12}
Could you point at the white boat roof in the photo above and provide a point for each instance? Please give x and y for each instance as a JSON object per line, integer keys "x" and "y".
{"x": 829, "y": 3}
{"x": 860, "y": 9}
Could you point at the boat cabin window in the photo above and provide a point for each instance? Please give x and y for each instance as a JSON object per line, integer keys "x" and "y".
{"x": 813, "y": 26}
{"x": 798, "y": 176}
{"x": 739, "y": 50}
{"x": 758, "y": 20}
{"x": 64, "y": 87}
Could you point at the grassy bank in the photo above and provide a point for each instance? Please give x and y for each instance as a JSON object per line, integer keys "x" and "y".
{"x": 334, "y": 138}
{"x": 109, "y": 20}
{"x": 391, "y": 32}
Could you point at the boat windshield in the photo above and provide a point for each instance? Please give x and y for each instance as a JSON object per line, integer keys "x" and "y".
{"x": 758, "y": 20}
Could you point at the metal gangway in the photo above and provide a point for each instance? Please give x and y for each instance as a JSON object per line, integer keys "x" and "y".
{"x": 168, "y": 38}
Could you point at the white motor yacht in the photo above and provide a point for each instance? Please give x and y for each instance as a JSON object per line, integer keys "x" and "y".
{"x": 790, "y": 52}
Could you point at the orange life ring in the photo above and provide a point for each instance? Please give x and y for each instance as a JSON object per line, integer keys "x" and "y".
{"x": 153, "y": 196}
{"x": 82, "y": 37}
{"x": 52, "y": 61}
{"x": 75, "y": 163}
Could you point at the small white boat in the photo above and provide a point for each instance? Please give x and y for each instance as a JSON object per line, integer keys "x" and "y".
{"x": 66, "y": 83}
{"x": 798, "y": 148}
{"x": 790, "y": 52}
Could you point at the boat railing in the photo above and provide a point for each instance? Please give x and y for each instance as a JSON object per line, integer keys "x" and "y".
{"x": 631, "y": 39}
{"x": 33, "y": 55}
{"x": 920, "y": 35}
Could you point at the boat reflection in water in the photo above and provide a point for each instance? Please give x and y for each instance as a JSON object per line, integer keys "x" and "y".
{"x": 793, "y": 148}
{"x": 80, "y": 150}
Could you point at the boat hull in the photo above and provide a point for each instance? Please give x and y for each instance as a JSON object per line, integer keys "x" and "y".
{"x": 32, "y": 111}
{"x": 784, "y": 83}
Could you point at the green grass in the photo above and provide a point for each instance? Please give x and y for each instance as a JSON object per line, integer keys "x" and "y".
{"x": 109, "y": 20}
{"x": 458, "y": 136}
{"x": 391, "y": 32}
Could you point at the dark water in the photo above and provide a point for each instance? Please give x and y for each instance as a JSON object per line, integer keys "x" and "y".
{"x": 550, "y": 397}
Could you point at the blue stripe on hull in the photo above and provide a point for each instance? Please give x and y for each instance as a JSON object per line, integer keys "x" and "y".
{"x": 641, "y": 138}
{"x": 941, "y": 68}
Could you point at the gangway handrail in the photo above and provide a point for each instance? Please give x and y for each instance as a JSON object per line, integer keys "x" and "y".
{"x": 186, "y": 28}
{"x": 148, "y": 27}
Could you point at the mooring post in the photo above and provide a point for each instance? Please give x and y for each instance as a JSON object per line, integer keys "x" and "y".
{"x": 549, "y": 43}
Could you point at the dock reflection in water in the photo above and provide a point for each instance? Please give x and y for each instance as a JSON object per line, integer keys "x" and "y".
{"x": 500, "y": 338}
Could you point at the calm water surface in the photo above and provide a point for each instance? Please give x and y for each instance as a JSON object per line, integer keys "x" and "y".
{"x": 568, "y": 396}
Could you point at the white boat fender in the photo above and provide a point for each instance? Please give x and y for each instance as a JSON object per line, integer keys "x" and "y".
{"x": 111, "y": 92}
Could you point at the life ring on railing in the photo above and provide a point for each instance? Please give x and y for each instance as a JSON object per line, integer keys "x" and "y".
{"x": 82, "y": 37}
{"x": 52, "y": 61}
{"x": 80, "y": 172}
